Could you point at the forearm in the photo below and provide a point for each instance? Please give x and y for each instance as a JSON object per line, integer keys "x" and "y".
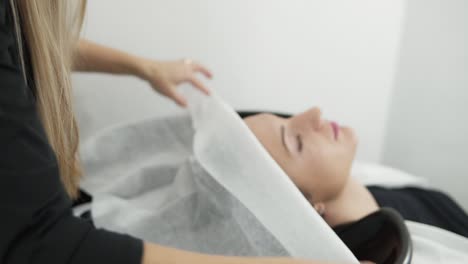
{"x": 155, "y": 254}
{"x": 163, "y": 76}
{"x": 93, "y": 57}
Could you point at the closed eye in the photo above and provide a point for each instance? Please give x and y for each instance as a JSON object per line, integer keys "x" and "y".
{"x": 283, "y": 140}
{"x": 299, "y": 143}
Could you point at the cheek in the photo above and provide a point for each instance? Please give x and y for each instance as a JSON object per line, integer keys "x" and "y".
{"x": 305, "y": 171}
{"x": 339, "y": 167}
{"x": 327, "y": 171}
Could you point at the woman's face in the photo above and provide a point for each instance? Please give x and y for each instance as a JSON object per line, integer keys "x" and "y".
{"x": 316, "y": 154}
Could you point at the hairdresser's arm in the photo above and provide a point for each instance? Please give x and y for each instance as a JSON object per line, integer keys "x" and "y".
{"x": 163, "y": 76}
{"x": 155, "y": 254}
{"x": 93, "y": 57}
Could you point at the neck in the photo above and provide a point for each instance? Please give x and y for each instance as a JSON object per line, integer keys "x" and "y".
{"x": 352, "y": 204}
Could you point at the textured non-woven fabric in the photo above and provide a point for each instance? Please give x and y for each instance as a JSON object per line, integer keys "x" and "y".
{"x": 433, "y": 245}
{"x": 202, "y": 182}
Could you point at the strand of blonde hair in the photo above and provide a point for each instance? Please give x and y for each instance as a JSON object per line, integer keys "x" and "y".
{"x": 51, "y": 32}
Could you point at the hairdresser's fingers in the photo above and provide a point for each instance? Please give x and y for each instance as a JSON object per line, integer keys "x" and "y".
{"x": 176, "y": 97}
{"x": 202, "y": 69}
{"x": 199, "y": 85}
{"x": 179, "y": 100}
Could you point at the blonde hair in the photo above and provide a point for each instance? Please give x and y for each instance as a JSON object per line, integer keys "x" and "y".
{"x": 51, "y": 30}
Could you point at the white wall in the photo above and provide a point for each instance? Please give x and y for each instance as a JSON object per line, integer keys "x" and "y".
{"x": 271, "y": 55}
{"x": 428, "y": 125}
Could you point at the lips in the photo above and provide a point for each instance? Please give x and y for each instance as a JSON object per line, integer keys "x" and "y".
{"x": 336, "y": 129}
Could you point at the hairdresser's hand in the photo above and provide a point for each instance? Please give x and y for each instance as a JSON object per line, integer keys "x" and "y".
{"x": 165, "y": 76}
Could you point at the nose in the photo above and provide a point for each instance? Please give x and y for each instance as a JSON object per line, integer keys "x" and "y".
{"x": 310, "y": 118}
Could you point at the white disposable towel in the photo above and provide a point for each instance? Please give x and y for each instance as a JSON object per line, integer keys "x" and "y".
{"x": 202, "y": 182}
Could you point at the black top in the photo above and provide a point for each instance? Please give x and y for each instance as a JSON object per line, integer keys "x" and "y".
{"x": 36, "y": 221}
{"x": 424, "y": 206}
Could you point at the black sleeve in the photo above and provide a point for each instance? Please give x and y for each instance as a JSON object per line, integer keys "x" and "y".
{"x": 36, "y": 221}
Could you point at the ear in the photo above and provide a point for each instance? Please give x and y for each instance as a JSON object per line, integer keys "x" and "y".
{"x": 320, "y": 208}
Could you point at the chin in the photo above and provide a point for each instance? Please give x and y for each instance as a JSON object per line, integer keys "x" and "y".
{"x": 353, "y": 140}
